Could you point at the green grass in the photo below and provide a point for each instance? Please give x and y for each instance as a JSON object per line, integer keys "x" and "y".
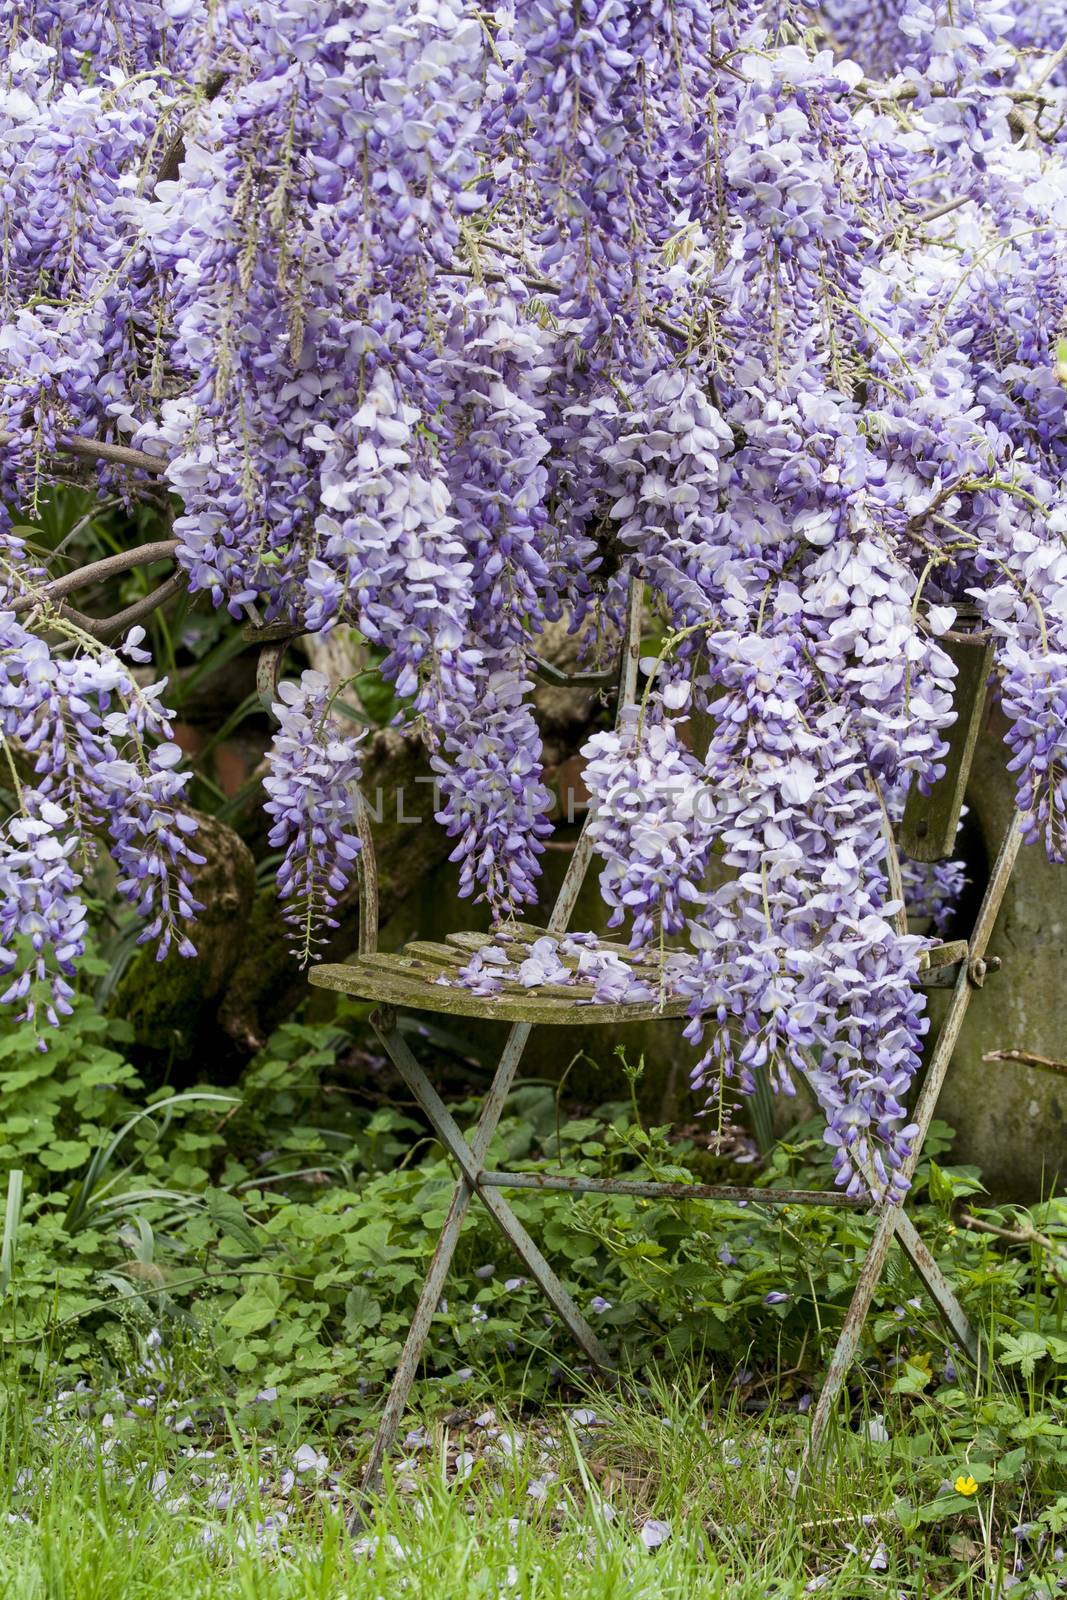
{"x": 551, "y": 1506}
{"x": 223, "y": 1289}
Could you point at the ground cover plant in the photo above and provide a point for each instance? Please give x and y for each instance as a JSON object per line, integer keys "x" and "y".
{"x": 205, "y": 1293}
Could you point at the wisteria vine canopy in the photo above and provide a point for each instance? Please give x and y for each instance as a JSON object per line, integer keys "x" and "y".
{"x": 445, "y": 322}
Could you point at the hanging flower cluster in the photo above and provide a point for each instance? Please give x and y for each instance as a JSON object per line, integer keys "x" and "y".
{"x": 445, "y": 322}
{"x": 312, "y": 796}
{"x": 89, "y": 757}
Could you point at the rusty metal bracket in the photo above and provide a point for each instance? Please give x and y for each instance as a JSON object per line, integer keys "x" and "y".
{"x": 979, "y": 969}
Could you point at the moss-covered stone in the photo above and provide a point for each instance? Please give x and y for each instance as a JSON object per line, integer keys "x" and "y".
{"x": 1011, "y": 1120}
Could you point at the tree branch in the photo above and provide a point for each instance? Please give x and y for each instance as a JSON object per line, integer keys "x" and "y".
{"x": 108, "y": 628}
{"x": 98, "y": 572}
{"x": 534, "y": 280}
{"x": 1049, "y": 68}
{"x": 933, "y": 214}
{"x": 1027, "y": 1059}
{"x": 1022, "y": 1235}
{"x": 174, "y": 154}
{"x": 123, "y": 455}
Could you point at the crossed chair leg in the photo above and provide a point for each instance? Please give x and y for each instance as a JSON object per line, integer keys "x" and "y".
{"x": 893, "y": 1223}
{"x": 469, "y": 1157}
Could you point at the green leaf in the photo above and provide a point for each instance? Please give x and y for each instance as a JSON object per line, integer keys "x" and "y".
{"x": 1042, "y": 1425}
{"x": 13, "y": 1081}
{"x": 945, "y": 1505}
{"x": 63, "y": 1154}
{"x": 913, "y": 1380}
{"x": 256, "y": 1308}
{"x": 12, "y": 1212}
{"x": 940, "y": 1187}
{"x": 906, "y": 1515}
{"x": 1010, "y": 1464}
{"x": 104, "y": 1066}
{"x": 228, "y": 1215}
{"x": 361, "y": 1309}
{"x": 1023, "y": 1350}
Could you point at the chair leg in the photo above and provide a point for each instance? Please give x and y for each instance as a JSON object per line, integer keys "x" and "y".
{"x": 892, "y": 1223}
{"x": 938, "y": 1287}
{"x": 408, "y": 1365}
{"x": 848, "y": 1341}
{"x": 470, "y": 1161}
{"x": 433, "y": 1287}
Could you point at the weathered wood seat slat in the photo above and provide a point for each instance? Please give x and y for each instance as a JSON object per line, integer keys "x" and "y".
{"x": 415, "y": 990}
{"x": 424, "y": 976}
{"x": 942, "y": 955}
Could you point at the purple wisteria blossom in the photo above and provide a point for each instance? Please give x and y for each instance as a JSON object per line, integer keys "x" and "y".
{"x": 312, "y": 797}
{"x": 98, "y": 763}
{"x": 446, "y": 323}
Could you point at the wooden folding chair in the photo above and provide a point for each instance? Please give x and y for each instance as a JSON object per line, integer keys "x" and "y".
{"x": 409, "y": 980}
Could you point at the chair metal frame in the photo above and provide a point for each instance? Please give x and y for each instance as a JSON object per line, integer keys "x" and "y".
{"x": 406, "y": 981}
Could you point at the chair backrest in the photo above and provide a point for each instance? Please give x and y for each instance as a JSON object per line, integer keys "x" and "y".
{"x": 366, "y": 880}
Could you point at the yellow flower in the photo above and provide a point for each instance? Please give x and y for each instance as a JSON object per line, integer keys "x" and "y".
{"x": 965, "y": 1485}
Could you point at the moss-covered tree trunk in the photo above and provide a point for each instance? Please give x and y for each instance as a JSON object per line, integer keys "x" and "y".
{"x": 174, "y": 1004}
